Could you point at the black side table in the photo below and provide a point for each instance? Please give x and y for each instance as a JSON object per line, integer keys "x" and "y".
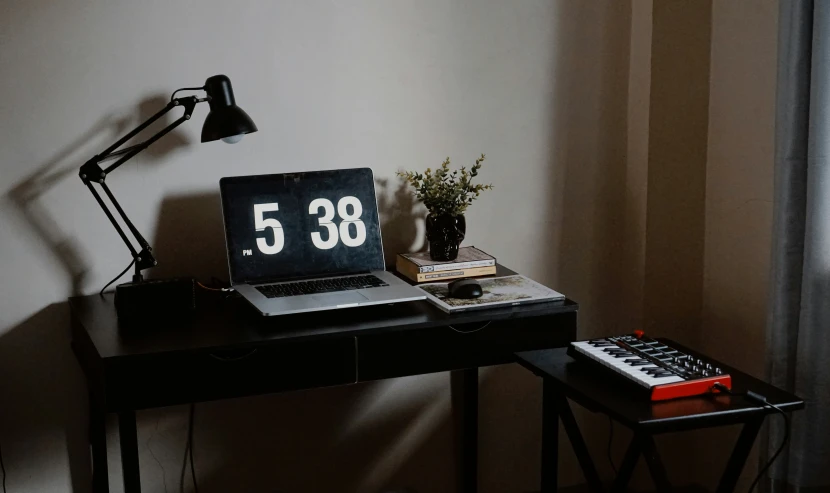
{"x": 566, "y": 379}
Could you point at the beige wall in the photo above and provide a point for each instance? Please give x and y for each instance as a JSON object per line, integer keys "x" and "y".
{"x": 739, "y": 184}
{"x": 557, "y": 93}
{"x": 539, "y": 86}
{"x": 739, "y": 180}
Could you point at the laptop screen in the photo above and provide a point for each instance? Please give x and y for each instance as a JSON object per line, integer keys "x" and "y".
{"x": 301, "y": 225}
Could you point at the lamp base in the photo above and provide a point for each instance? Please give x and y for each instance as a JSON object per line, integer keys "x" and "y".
{"x": 157, "y": 299}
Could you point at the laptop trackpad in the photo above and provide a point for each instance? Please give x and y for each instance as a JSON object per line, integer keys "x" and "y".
{"x": 335, "y": 299}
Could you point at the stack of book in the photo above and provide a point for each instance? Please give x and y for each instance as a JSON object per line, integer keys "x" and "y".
{"x": 471, "y": 262}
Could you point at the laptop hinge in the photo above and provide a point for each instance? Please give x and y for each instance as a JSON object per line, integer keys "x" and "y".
{"x": 272, "y": 280}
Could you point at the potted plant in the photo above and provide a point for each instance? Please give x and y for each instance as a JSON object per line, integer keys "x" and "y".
{"x": 446, "y": 194}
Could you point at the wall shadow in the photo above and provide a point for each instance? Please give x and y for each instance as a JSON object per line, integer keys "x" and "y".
{"x": 26, "y": 194}
{"x": 320, "y": 440}
{"x": 591, "y": 159}
{"x": 41, "y": 383}
{"x": 189, "y": 239}
{"x": 589, "y": 112}
{"x": 44, "y": 396}
{"x": 401, "y": 218}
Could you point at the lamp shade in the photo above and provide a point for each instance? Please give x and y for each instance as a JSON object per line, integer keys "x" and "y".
{"x": 226, "y": 120}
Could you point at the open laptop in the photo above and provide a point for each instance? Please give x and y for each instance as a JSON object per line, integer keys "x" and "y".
{"x": 303, "y": 242}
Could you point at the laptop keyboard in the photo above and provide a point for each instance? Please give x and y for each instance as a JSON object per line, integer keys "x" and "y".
{"x": 300, "y": 288}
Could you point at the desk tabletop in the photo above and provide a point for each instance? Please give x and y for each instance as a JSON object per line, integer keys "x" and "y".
{"x": 592, "y": 388}
{"x": 233, "y": 322}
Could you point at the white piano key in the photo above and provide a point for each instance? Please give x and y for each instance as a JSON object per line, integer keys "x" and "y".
{"x": 618, "y": 365}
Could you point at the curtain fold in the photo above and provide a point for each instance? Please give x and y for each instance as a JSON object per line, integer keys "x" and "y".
{"x": 798, "y": 330}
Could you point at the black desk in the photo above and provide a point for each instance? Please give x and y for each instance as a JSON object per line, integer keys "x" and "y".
{"x": 228, "y": 350}
{"x": 565, "y": 378}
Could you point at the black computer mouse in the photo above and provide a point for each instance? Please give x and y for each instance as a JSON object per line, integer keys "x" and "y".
{"x": 465, "y": 289}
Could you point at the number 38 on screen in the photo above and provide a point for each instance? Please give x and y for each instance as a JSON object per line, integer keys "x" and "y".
{"x": 318, "y": 207}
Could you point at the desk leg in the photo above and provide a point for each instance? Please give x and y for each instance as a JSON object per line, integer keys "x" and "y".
{"x": 632, "y": 455}
{"x": 739, "y": 455}
{"x": 578, "y": 444}
{"x": 98, "y": 444}
{"x": 550, "y": 437}
{"x": 129, "y": 451}
{"x": 655, "y": 464}
{"x": 465, "y": 409}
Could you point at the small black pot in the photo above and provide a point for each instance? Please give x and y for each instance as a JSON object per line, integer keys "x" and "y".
{"x": 445, "y": 233}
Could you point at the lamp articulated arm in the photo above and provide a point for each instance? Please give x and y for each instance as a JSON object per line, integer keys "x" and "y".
{"x": 91, "y": 172}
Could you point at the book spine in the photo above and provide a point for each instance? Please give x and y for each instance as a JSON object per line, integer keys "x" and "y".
{"x": 455, "y": 274}
{"x": 458, "y": 266}
{"x": 406, "y": 268}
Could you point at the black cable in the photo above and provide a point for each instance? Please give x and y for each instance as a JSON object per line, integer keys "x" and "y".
{"x": 173, "y": 96}
{"x": 119, "y": 276}
{"x": 760, "y": 399}
{"x": 3, "y": 469}
{"x": 610, "y": 442}
{"x": 190, "y": 446}
{"x": 188, "y": 453}
{"x": 778, "y": 451}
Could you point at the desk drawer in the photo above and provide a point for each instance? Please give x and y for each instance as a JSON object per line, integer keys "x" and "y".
{"x": 175, "y": 378}
{"x": 472, "y": 345}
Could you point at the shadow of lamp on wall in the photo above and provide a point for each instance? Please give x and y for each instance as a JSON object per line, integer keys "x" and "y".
{"x": 26, "y": 194}
{"x": 225, "y": 121}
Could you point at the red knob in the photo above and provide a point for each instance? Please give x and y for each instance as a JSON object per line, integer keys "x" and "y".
{"x": 639, "y": 334}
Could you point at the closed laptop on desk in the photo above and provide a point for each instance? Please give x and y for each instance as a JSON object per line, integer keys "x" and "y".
{"x": 309, "y": 241}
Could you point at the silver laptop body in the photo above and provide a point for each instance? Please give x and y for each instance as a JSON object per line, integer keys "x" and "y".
{"x": 303, "y": 242}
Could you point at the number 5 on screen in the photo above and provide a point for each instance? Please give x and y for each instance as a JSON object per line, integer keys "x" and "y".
{"x": 261, "y": 223}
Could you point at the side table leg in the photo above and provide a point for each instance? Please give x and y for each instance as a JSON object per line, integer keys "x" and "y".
{"x": 739, "y": 455}
{"x": 129, "y": 451}
{"x": 655, "y": 464}
{"x": 550, "y": 437}
{"x": 632, "y": 455}
{"x": 98, "y": 444}
{"x": 465, "y": 407}
{"x": 578, "y": 444}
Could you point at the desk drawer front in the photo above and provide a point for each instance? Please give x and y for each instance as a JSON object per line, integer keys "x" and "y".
{"x": 176, "y": 378}
{"x": 445, "y": 348}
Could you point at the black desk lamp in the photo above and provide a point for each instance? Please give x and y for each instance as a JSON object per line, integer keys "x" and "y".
{"x": 226, "y": 121}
